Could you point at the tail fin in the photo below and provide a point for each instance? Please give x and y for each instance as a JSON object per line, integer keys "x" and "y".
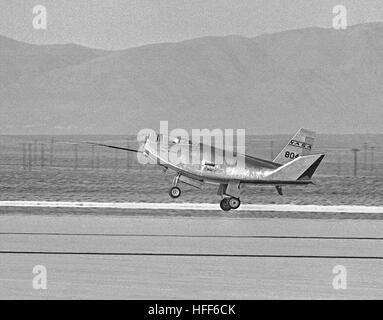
{"x": 301, "y": 144}
{"x": 301, "y": 168}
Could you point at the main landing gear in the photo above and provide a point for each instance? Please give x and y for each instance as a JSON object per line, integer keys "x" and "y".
{"x": 227, "y": 204}
{"x": 230, "y": 194}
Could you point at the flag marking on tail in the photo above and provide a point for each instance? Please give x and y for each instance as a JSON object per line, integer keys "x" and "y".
{"x": 300, "y": 144}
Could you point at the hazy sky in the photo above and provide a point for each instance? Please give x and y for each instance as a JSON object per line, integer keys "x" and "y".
{"x": 116, "y": 24}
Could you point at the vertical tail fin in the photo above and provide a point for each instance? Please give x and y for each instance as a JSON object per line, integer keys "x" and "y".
{"x": 301, "y": 144}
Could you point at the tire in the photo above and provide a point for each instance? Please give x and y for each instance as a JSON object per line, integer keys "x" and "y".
{"x": 234, "y": 203}
{"x": 224, "y": 204}
{"x": 175, "y": 192}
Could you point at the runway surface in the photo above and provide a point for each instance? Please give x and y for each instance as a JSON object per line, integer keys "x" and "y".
{"x": 178, "y": 257}
{"x": 193, "y": 206}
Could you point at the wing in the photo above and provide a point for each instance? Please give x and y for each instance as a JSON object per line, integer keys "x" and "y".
{"x": 112, "y": 147}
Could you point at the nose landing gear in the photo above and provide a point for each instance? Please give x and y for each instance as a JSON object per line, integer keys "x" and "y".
{"x": 175, "y": 192}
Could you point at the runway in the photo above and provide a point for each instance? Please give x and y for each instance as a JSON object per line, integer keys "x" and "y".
{"x": 178, "y": 257}
{"x": 194, "y": 206}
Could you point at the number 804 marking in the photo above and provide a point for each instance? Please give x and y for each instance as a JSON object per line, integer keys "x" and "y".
{"x": 291, "y": 155}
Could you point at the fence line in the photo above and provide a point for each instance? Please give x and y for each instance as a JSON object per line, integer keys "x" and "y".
{"x": 32, "y": 154}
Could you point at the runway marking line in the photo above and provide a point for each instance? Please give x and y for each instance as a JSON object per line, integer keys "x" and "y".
{"x": 165, "y": 235}
{"x": 193, "y": 206}
{"x": 169, "y": 254}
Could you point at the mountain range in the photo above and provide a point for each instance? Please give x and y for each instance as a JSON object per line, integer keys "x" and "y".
{"x": 327, "y": 80}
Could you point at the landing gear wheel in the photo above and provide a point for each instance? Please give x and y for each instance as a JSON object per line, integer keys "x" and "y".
{"x": 234, "y": 203}
{"x": 175, "y": 192}
{"x": 224, "y": 204}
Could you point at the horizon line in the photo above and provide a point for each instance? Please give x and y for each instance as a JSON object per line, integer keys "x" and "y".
{"x": 186, "y": 39}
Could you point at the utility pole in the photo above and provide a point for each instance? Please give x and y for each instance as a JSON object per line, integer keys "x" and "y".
{"x": 51, "y": 153}
{"x": 42, "y": 155}
{"x": 98, "y": 159}
{"x": 92, "y": 161}
{"x": 35, "y": 151}
{"x": 115, "y": 159}
{"x": 372, "y": 159}
{"x": 24, "y": 156}
{"x": 29, "y": 156}
{"x": 355, "y": 161}
{"x": 75, "y": 156}
{"x": 365, "y": 149}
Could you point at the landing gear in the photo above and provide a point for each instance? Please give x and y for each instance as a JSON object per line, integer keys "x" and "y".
{"x": 234, "y": 203}
{"x": 175, "y": 192}
{"x": 230, "y": 194}
{"x": 227, "y": 204}
{"x": 224, "y": 204}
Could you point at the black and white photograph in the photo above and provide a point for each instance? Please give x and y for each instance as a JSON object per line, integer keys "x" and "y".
{"x": 189, "y": 150}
